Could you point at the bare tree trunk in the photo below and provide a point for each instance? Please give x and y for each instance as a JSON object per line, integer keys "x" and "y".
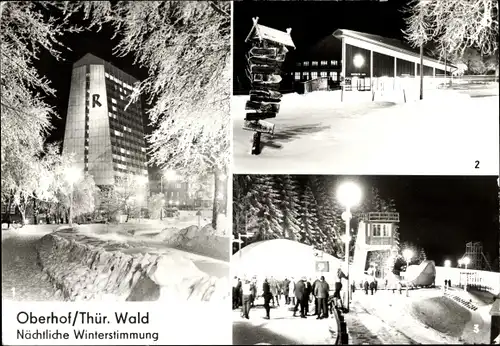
{"x": 35, "y": 212}
{"x": 422, "y": 71}
{"x": 215, "y": 207}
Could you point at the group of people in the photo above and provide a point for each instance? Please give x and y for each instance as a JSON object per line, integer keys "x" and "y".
{"x": 298, "y": 293}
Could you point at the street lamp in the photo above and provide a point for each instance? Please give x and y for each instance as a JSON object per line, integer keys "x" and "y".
{"x": 72, "y": 175}
{"x": 407, "y": 255}
{"x": 349, "y": 195}
{"x": 447, "y": 263}
{"x": 358, "y": 61}
{"x": 466, "y": 261}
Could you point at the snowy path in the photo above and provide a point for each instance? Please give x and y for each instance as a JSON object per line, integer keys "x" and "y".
{"x": 281, "y": 329}
{"x": 20, "y": 270}
{"x": 315, "y": 133}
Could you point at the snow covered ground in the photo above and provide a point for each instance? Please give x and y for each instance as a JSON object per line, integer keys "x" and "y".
{"x": 446, "y": 133}
{"x": 281, "y": 329}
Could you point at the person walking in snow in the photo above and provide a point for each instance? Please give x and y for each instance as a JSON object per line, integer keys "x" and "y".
{"x": 366, "y": 286}
{"x": 292, "y": 291}
{"x": 273, "y": 284}
{"x": 246, "y": 291}
{"x": 267, "y": 295}
{"x": 300, "y": 295}
{"x": 322, "y": 291}
{"x": 316, "y": 301}
{"x": 286, "y": 290}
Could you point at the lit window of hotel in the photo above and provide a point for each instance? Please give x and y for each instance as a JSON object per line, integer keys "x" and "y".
{"x": 113, "y": 100}
{"x": 298, "y": 64}
{"x": 114, "y": 108}
{"x": 314, "y": 75}
{"x": 305, "y": 74}
{"x": 324, "y": 62}
{"x": 323, "y": 74}
{"x": 334, "y": 75}
{"x": 297, "y": 75}
{"x": 306, "y": 63}
{"x": 314, "y": 63}
{"x": 334, "y": 62}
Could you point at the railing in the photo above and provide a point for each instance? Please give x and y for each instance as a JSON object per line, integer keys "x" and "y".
{"x": 342, "y": 337}
{"x": 381, "y": 217}
{"x": 316, "y": 84}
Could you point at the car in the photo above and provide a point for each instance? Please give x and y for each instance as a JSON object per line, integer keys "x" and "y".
{"x": 172, "y": 212}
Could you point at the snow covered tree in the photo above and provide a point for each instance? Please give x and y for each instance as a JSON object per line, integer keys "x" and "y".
{"x": 264, "y": 200}
{"x": 244, "y": 217}
{"x": 155, "y": 203}
{"x": 289, "y": 206}
{"x": 126, "y": 197}
{"x": 186, "y": 46}
{"x": 25, "y": 29}
{"x": 329, "y": 214}
{"x": 422, "y": 256}
{"x": 309, "y": 219}
{"x": 454, "y": 25}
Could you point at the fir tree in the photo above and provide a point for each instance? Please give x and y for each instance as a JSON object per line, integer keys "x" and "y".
{"x": 422, "y": 255}
{"x": 289, "y": 206}
{"x": 309, "y": 220}
{"x": 264, "y": 205}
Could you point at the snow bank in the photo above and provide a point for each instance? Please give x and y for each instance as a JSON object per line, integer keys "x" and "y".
{"x": 86, "y": 268}
{"x": 204, "y": 241}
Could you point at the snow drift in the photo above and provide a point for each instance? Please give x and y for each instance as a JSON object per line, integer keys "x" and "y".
{"x": 86, "y": 268}
{"x": 281, "y": 258}
{"x": 203, "y": 241}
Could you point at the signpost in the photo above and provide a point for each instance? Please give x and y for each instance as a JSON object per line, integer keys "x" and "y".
{"x": 265, "y": 59}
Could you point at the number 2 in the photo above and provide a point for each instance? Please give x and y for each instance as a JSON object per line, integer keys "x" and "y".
{"x": 477, "y": 164}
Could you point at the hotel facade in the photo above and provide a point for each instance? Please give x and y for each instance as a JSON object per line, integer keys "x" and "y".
{"x": 106, "y": 137}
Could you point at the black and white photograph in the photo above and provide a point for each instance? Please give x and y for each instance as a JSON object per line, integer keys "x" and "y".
{"x": 393, "y": 87}
{"x": 115, "y": 153}
{"x": 365, "y": 260}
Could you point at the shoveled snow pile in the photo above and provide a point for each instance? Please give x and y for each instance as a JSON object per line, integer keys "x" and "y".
{"x": 203, "y": 241}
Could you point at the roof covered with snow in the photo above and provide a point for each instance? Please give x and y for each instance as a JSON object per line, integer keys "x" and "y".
{"x": 262, "y": 32}
{"x": 91, "y": 59}
{"x": 385, "y": 42}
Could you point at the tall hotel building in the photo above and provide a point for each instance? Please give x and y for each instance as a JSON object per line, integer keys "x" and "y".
{"x": 106, "y": 139}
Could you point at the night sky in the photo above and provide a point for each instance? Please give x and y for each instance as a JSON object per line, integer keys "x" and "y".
{"x": 442, "y": 214}
{"x": 313, "y": 20}
{"x": 59, "y": 72}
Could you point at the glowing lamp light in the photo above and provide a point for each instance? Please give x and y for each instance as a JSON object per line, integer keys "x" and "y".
{"x": 176, "y": 202}
{"x": 466, "y": 261}
{"x": 345, "y": 238}
{"x": 407, "y": 254}
{"x": 170, "y": 175}
{"x": 447, "y": 263}
{"x": 72, "y": 174}
{"x": 349, "y": 194}
{"x": 358, "y": 60}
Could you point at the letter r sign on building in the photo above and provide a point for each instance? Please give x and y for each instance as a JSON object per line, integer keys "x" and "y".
{"x": 95, "y": 100}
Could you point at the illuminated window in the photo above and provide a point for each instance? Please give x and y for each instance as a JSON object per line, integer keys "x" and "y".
{"x": 314, "y": 63}
{"x": 114, "y": 108}
{"x": 323, "y": 74}
{"x": 334, "y": 75}
{"x": 324, "y": 62}
{"x": 305, "y": 74}
{"x": 306, "y": 63}
{"x": 297, "y": 75}
{"x": 314, "y": 75}
{"x": 298, "y": 64}
{"x": 334, "y": 62}
{"x": 113, "y": 101}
